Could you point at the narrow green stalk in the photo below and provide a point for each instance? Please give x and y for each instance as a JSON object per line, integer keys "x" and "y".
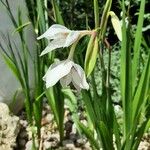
{"x": 109, "y": 106}
{"x": 137, "y": 45}
{"x": 31, "y": 10}
{"x": 104, "y": 75}
{"x": 96, "y": 13}
{"x": 71, "y": 53}
{"x": 40, "y": 11}
{"x": 56, "y": 101}
{"x": 104, "y": 19}
{"x": 57, "y": 14}
{"x": 126, "y": 78}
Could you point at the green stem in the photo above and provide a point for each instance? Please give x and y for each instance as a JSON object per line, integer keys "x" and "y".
{"x": 104, "y": 73}
{"x": 105, "y": 19}
{"x": 72, "y": 50}
{"x": 96, "y": 13}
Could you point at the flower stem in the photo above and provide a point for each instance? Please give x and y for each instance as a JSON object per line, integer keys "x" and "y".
{"x": 71, "y": 53}
{"x": 83, "y": 33}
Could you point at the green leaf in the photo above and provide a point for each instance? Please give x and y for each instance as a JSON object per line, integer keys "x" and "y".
{"x": 137, "y": 45}
{"x": 13, "y": 68}
{"x": 142, "y": 89}
{"x": 37, "y": 113}
{"x": 91, "y": 52}
{"x": 89, "y": 135}
{"x": 139, "y": 135}
{"x": 104, "y": 19}
{"x": 51, "y": 100}
{"x": 20, "y": 28}
{"x": 89, "y": 107}
{"x": 57, "y": 14}
{"x": 116, "y": 130}
{"x": 96, "y": 13}
{"x": 41, "y": 15}
{"x": 93, "y": 57}
{"x": 56, "y": 101}
{"x": 71, "y": 102}
{"x": 107, "y": 141}
{"x": 126, "y": 78}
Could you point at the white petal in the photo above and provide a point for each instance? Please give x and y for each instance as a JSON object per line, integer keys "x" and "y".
{"x": 53, "y": 75}
{"x": 58, "y": 26}
{"x": 116, "y": 25}
{"x": 66, "y": 80}
{"x": 71, "y": 38}
{"x": 53, "y": 30}
{"x": 76, "y": 86}
{"x": 78, "y": 76}
{"x": 53, "y": 45}
{"x": 56, "y": 63}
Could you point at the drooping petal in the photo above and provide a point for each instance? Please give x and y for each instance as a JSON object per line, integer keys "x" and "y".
{"x": 54, "y": 30}
{"x": 53, "y": 75}
{"x": 78, "y": 77}
{"x": 56, "y": 63}
{"x": 116, "y": 25}
{"x": 78, "y": 88}
{"x": 71, "y": 38}
{"x": 66, "y": 80}
{"x": 58, "y": 43}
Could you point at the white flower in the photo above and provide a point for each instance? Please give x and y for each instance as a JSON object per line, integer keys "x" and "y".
{"x": 60, "y": 36}
{"x": 66, "y": 71}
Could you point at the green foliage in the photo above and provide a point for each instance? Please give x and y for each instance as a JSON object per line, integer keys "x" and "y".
{"x": 116, "y": 77}
{"x": 56, "y": 101}
{"x": 91, "y": 54}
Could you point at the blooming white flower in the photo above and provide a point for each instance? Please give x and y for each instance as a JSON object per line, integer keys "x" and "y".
{"x": 66, "y": 71}
{"x": 60, "y": 36}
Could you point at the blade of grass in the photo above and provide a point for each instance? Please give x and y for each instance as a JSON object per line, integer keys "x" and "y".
{"x": 22, "y": 27}
{"x": 89, "y": 106}
{"x": 104, "y": 19}
{"x": 125, "y": 78}
{"x": 40, "y": 13}
{"x": 107, "y": 143}
{"x": 56, "y": 102}
{"x": 137, "y": 45}
{"x": 89, "y": 135}
{"x": 142, "y": 89}
{"x": 57, "y": 14}
{"x": 71, "y": 102}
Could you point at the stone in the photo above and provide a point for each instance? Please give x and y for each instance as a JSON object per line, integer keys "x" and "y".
{"x": 22, "y": 142}
{"x": 49, "y": 117}
{"x": 24, "y": 123}
{"x": 84, "y": 122}
{"x": 67, "y": 142}
{"x": 87, "y": 146}
{"x": 73, "y": 137}
{"x": 144, "y": 145}
{"x": 68, "y": 128}
{"x": 80, "y": 142}
{"x": 74, "y": 129}
{"x": 55, "y": 136}
{"x": 47, "y": 144}
{"x": 10, "y": 127}
{"x": 29, "y": 145}
{"x": 23, "y": 135}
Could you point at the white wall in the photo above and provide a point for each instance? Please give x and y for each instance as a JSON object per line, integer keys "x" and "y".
{"x": 8, "y": 83}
